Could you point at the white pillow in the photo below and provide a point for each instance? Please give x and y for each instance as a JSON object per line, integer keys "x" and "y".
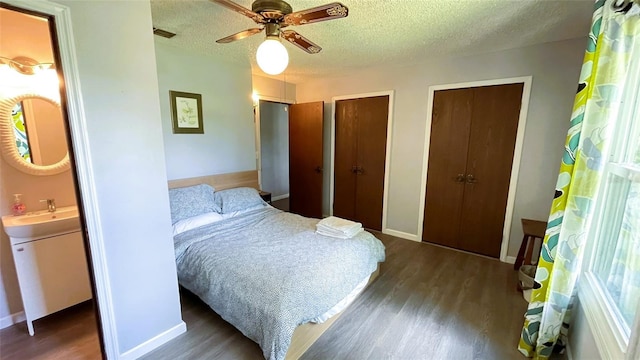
{"x": 196, "y": 221}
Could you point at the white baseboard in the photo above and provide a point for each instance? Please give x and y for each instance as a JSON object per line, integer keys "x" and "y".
{"x": 401, "y": 234}
{"x": 9, "y": 320}
{"x": 509, "y": 260}
{"x": 153, "y": 343}
{"x": 279, "y": 197}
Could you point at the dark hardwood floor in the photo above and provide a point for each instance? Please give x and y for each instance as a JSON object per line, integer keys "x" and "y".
{"x": 69, "y": 334}
{"x": 428, "y": 303}
{"x": 282, "y": 204}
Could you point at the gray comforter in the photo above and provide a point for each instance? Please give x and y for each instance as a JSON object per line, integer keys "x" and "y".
{"x": 266, "y": 272}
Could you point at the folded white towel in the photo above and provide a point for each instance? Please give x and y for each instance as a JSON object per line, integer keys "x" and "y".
{"x": 339, "y": 235}
{"x": 349, "y": 232}
{"x": 338, "y": 227}
{"x": 339, "y": 223}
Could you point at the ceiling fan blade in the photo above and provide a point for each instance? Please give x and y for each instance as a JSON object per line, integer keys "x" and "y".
{"x": 239, "y": 36}
{"x": 300, "y": 41}
{"x": 240, "y": 9}
{"x": 321, "y": 13}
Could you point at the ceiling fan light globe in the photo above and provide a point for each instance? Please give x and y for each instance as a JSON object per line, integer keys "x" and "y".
{"x": 272, "y": 57}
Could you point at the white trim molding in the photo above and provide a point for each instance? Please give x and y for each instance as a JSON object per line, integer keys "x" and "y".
{"x": 12, "y": 319}
{"x": 387, "y": 160}
{"x": 517, "y": 151}
{"x": 154, "y": 342}
{"x": 401, "y": 234}
{"x": 609, "y": 339}
{"x": 83, "y": 166}
{"x": 279, "y": 197}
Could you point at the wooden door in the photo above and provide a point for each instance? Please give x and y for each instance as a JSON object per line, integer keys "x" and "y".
{"x": 450, "y": 126}
{"x": 470, "y": 158}
{"x": 360, "y": 153}
{"x": 305, "y": 159}
{"x": 494, "y": 124}
{"x": 372, "y": 150}
{"x": 346, "y": 159}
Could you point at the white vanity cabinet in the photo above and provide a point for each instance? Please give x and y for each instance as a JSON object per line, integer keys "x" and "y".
{"x": 52, "y": 273}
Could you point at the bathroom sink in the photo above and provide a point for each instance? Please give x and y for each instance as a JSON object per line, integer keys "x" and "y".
{"x": 39, "y": 224}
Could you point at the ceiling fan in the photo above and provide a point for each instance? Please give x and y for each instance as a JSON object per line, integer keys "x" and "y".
{"x": 273, "y": 16}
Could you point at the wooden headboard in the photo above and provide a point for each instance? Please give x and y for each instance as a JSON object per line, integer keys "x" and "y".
{"x": 221, "y": 181}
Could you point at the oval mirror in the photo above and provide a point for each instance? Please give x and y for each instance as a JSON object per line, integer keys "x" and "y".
{"x": 32, "y": 135}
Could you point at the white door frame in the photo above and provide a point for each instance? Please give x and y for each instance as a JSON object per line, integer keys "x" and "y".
{"x": 387, "y": 160}
{"x": 256, "y": 120}
{"x": 83, "y": 165}
{"x": 517, "y": 151}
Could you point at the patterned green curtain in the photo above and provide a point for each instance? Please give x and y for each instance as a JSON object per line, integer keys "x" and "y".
{"x": 20, "y": 132}
{"x": 596, "y": 105}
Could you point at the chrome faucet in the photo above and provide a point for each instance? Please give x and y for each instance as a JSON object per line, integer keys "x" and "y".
{"x": 51, "y": 204}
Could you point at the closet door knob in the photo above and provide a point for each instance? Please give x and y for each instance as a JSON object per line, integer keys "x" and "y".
{"x": 318, "y": 169}
{"x": 354, "y": 169}
{"x": 459, "y": 178}
{"x": 471, "y": 179}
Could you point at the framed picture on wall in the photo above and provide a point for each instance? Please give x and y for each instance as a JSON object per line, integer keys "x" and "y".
{"x": 186, "y": 112}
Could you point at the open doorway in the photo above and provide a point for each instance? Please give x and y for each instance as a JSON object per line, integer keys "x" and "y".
{"x": 289, "y": 154}
{"x": 47, "y": 303}
{"x": 272, "y": 135}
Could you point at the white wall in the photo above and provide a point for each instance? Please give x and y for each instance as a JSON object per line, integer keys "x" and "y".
{"x": 582, "y": 344}
{"x": 555, "y": 68}
{"x": 119, "y": 85}
{"x": 228, "y": 142}
{"x": 274, "y": 90}
{"x": 274, "y": 148}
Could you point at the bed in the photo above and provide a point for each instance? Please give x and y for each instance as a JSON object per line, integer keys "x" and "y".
{"x": 263, "y": 270}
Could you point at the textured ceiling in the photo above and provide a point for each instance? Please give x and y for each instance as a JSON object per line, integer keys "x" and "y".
{"x": 379, "y": 32}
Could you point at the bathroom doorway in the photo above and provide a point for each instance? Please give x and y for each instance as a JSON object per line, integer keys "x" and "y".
{"x": 47, "y": 294}
{"x": 272, "y": 150}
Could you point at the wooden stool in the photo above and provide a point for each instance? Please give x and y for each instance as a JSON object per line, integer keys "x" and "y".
{"x": 533, "y": 229}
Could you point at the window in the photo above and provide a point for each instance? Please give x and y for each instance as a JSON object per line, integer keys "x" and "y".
{"x": 610, "y": 286}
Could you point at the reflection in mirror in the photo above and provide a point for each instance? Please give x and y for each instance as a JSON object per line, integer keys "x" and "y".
{"x": 32, "y": 127}
{"x": 20, "y": 132}
{"x": 39, "y": 130}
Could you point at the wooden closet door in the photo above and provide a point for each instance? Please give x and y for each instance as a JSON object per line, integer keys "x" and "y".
{"x": 359, "y": 165}
{"x": 450, "y": 127}
{"x": 346, "y": 152}
{"x": 494, "y": 123}
{"x": 473, "y": 133}
{"x": 372, "y": 150}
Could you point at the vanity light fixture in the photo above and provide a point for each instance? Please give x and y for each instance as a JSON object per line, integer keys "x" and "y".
{"x": 25, "y": 65}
